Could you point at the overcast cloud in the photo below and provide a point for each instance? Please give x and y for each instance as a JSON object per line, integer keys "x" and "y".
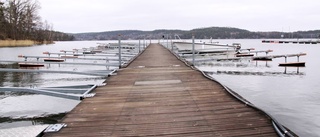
{"x": 76, "y": 16}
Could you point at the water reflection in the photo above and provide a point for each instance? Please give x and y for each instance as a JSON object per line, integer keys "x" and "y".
{"x": 266, "y": 63}
{"x": 3, "y": 76}
{"x": 297, "y": 68}
{"x": 17, "y": 79}
{"x": 247, "y": 67}
{"x": 7, "y": 122}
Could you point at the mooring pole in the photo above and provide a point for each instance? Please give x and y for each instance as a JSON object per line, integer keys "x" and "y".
{"x": 192, "y": 49}
{"x": 119, "y": 38}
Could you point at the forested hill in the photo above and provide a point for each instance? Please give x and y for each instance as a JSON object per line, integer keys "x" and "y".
{"x": 127, "y": 34}
{"x": 200, "y": 33}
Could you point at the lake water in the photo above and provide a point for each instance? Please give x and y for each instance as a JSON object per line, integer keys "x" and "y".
{"x": 289, "y": 94}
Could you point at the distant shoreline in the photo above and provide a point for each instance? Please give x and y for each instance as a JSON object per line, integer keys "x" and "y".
{"x": 21, "y": 43}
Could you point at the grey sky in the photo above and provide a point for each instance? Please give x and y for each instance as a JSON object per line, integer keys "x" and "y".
{"x": 76, "y": 16}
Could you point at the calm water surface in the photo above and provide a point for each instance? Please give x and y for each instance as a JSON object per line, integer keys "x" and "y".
{"x": 291, "y": 95}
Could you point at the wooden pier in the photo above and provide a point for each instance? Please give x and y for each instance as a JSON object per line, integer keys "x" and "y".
{"x": 158, "y": 95}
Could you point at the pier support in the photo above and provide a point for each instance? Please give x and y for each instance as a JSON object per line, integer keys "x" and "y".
{"x": 139, "y": 46}
{"x": 119, "y": 39}
{"x": 193, "y": 56}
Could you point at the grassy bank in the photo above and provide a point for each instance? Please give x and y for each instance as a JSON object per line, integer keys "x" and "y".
{"x": 20, "y": 43}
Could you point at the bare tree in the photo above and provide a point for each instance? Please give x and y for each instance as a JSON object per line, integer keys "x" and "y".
{"x": 22, "y": 17}
{"x": 2, "y": 22}
{"x": 30, "y": 18}
{"x": 13, "y": 11}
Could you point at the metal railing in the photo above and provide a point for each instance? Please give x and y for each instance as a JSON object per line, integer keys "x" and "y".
{"x": 69, "y": 92}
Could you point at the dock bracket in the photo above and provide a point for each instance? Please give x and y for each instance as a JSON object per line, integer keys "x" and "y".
{"x": 55, "y": 128}
{"x": 88, "y": 95}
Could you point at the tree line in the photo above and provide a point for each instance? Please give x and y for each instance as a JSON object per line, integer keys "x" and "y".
{"x": 19, "y": 20}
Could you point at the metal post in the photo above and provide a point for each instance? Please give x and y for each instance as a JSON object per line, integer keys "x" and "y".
{"x": 167, "y": 41}
{"x": 144, "y": 43}
{"x": 65, "y": 54}
{"x": 171, "y": 44}
{"x": 119, "y": 38}
{"x": 227, "y": 53}
{"x": 285, "y": 59}
{"x": 192, "y": 49}
{"x": 139, "y": 45}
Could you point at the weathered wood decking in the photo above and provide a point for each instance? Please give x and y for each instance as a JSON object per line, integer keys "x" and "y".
{"x": 163, "y": 98}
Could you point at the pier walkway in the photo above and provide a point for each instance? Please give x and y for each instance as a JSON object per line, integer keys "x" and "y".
{"x": 158, "y": 95}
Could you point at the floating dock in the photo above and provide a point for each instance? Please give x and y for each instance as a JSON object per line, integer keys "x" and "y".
{"x": 159, "y": 95}
{"x": 291, "y": 41}
{"x": 30, "y": 65}
{"x": 293, "y": 64}
{"x": 53, "y": 60}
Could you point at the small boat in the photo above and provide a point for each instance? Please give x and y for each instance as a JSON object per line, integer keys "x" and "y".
{"x": 53, "y": 60}
{"x": 292, "y": 64}
{"x": 30, "y": 65}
